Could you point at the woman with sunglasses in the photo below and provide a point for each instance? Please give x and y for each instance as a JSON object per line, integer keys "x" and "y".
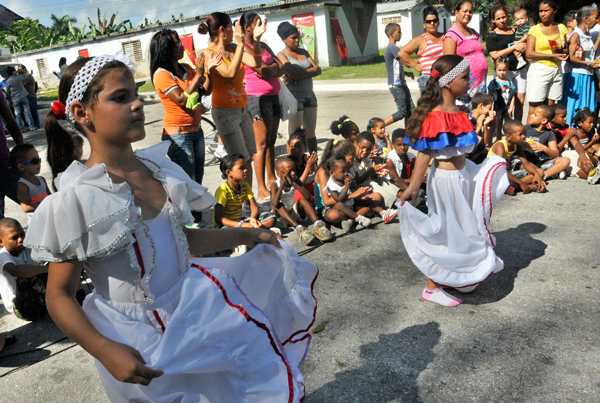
{"x": 429, "y": 47}
{"x": 464, "y": 41}
{"x": 501, "y": 43}
{"x": 179, "y": 87}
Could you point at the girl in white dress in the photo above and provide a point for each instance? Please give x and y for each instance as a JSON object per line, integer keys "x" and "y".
{"x": 452, "y": 245}
{"x": 162, "y": 327}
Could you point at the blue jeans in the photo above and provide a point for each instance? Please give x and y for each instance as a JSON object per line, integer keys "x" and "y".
{"x": 34, "y": 111}
{"x": 422, "y": 81}
{"x": 22, "y": 107}
{"x": 187, "y": 151}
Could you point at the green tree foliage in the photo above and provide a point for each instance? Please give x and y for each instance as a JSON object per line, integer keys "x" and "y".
{"x": 104, "y": 26}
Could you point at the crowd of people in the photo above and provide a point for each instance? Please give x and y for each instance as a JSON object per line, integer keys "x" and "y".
{"x": 160, "y": 312}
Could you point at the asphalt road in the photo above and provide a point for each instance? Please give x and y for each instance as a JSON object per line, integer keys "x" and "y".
{"x": 528, "y": 334}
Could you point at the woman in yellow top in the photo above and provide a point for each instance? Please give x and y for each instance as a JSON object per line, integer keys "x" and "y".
{"x": 179, "y": 87}
{"x": 545, "y": 50}
{"x": 229, "y": 100}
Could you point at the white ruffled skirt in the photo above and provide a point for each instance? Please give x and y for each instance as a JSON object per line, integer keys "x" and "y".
{"x": 453, "y": 245}
{"x": 231, "y": 330}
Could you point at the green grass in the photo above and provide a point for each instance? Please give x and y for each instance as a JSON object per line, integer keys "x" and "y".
{"x": 51, "y": 95}
{"x": 148, "y": 87}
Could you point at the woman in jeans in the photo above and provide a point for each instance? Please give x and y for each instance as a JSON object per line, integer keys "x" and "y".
{"x": 229, "y": 99}
{"x": 429, "y": 46}
{"x": 262, "y": 87}
{"x": 501, "y": 42}
{"x": 544, "y": 77}
{"x": 175, "y": 83}
{"x": 299, "y": 69}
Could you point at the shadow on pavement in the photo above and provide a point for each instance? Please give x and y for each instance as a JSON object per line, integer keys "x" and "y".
{"x": 390, "y": 369}
{"x": 518, "y": 249}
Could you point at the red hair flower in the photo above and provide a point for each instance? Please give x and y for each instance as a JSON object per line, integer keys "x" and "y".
{"x": 58, "y": 108}
{"x": 435, "y": 74}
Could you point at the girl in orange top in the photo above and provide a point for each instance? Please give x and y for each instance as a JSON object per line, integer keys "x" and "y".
{"x": 177, "y": 86}
{"x": 229, "y": 100}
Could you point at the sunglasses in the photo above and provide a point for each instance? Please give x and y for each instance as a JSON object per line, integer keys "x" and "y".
{"x": 33, "y": 161}
{"x": 434, "y": 21}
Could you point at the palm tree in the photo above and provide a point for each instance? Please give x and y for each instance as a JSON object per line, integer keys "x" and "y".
{"x": 63, "y": 25}
{"x": 104, "y": 26}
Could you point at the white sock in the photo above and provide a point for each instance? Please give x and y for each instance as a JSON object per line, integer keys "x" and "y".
{"x": 316, "y": 223}
{"x": 440, "y": 296}
{"x": 221, "y": 147}
{"x": 298, "y": 227}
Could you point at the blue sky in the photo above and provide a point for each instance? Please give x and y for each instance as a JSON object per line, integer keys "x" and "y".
{"x": 134, "y": 10}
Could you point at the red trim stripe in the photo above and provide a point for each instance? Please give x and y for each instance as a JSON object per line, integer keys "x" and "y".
{"x": 159, "y": 320}
{"x": 258, "y": 324}
{"x": 491, "y": 172}
{"x": 312, "y": 291}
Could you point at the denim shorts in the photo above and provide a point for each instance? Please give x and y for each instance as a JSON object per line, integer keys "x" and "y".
{"x": 404, "y": 102}
{"x": 422, "y": 81}
{"x": 264, "y": 106}
{"x": 235, "y": 130}
{"x": 310, "y": 102}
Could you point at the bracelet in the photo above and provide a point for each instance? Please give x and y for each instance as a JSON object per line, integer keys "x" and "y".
{"x": 239, "y": 224}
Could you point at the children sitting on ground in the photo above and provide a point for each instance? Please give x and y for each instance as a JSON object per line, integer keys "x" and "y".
{"x": 232, "y": 194}
{"x": 483, "y": 119}
{"x": 31, "y": 188}
{"x": 304, "y": 165}
{"x": 541, "y": 148}
{"x": 366, "y": 173}
{"x": 22, "y": 282}
{"x": 502, "y": 91}
{"x": 529, "y": 178}
{"x": 326, "y": 207}
{"x": 395, "y": 76}
{"x": 568, "y": 144}
{"x": 400, "y": 163}
{"x": 585, "y": 123}
{"x": 383, "y": 144}
{"x": 352, "y": 204}
{"x": 286, "y": 206}
{"x": 346, "y": 128}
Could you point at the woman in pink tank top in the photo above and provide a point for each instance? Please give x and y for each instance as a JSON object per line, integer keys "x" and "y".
{"x": 262, "y": 87}
{"x": 429, "y": 46}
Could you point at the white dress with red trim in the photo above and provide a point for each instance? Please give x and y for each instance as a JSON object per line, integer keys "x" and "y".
{"x": 452, "y": 244}
{"x": 221, "y": 329}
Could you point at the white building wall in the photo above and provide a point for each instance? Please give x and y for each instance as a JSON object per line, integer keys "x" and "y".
{"x": 406, "y": 25}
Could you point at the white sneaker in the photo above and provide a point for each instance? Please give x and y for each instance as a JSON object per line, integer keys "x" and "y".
{"x": 594, "y": 175}
{"x": 220, "y": 153}
{"x": 364, "y": 221}
{"x": 388, "y": 215}
{"x": 239, "y": 250}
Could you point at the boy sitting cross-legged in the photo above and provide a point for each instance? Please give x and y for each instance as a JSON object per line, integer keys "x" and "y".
{"x": 529, "y": 178}
{"x": 286, "y": 206}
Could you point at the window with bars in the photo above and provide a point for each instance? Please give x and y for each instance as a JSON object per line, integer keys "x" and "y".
{"x": 133, "y": 49}
{"x": 386, "y": 21}
{"x": 42, "y": 66}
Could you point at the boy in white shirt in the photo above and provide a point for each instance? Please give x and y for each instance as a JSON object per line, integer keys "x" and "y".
{"x": 22, "y": 282}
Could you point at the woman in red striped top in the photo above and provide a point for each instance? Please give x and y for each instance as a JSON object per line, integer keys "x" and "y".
{"x": 429, "y": 46}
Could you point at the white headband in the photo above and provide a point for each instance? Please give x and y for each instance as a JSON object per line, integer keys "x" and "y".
{"x": 452, "y": 74}
{"x": 87, "y": 73}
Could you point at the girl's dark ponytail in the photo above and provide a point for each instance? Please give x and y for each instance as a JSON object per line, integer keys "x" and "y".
{"x": 61, "y": 147}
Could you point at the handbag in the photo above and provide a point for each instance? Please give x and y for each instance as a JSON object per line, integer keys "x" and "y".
{"x": 289, "y": 105}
